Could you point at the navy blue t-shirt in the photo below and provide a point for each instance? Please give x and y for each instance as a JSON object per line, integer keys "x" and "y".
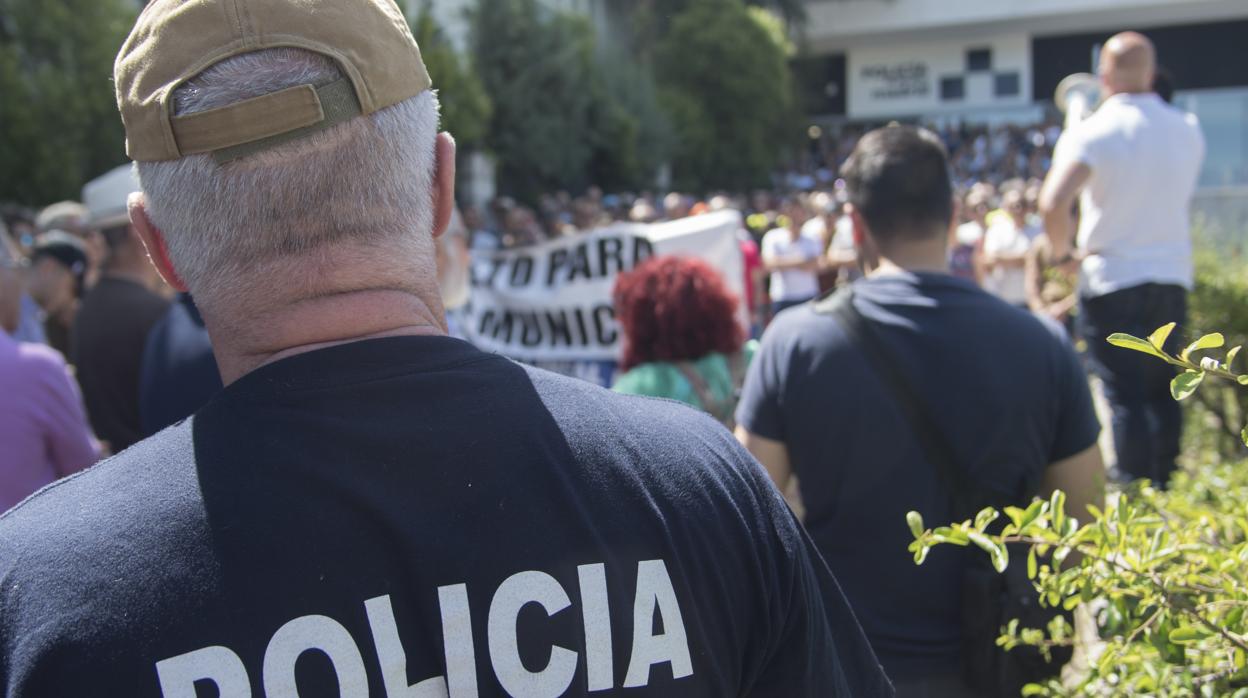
{"x": 1006, "y": 389}
{"x": 412, "y": 517}
{"x": 179, "y": 372}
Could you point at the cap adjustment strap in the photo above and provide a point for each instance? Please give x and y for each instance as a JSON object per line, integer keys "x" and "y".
{"x": 259, "y": 123}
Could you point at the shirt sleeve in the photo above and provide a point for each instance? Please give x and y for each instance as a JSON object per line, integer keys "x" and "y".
{"x": 1078, "y": 427}
{"x": 768, "y": 250}
{"x": 1074, "y": 145}
{"x": 759, "y": 410}
{"x": 68, "y": 438}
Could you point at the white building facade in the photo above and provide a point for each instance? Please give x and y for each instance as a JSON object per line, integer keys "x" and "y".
{"x": 994, "y": 61}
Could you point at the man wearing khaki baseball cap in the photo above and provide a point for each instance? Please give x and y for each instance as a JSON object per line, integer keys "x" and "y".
{"x": 371, "y": 507}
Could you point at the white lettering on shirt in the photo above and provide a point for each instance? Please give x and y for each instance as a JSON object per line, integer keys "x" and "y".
{"x": 514, "y": 593}
{"x": 461, "y": 657}
{"x": 654, "y": 589}
{"x": 392, "y": 657}
{"x": 216, "y": 664}
{"x": 597, "y": 618}
{"x": 654, "y": 593}
{"x": 313, "y": 633}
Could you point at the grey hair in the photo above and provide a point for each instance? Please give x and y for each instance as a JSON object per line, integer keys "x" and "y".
{"x": 365, "y": 183}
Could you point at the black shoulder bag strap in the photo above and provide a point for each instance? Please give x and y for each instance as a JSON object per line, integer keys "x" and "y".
{"x": 966, "y": 497}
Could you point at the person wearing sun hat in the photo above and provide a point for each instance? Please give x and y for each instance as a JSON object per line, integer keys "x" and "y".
{"x": 370, "y": 507}
{"x": 114, "y": 318}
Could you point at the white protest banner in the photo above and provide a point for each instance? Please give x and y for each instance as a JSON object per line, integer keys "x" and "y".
{"x": 552, "y": 301}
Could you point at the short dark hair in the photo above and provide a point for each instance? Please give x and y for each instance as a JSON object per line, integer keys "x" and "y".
{"x": 898, "y": 179}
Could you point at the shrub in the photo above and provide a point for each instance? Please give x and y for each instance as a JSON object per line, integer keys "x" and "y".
{"x": 1164, "y": 571}
{"x": 1219, "y": 301}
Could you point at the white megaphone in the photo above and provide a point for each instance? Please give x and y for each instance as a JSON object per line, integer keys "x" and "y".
{"x": 1077, "y": 96}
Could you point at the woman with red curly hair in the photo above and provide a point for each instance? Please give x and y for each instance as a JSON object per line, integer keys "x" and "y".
{"x": 681, "y": 337}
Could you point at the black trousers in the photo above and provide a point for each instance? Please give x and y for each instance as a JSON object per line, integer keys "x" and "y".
{"x": 1147, "y": 422}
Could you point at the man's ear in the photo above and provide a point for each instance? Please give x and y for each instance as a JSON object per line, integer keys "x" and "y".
{"x": 858, "y": 225}
{"x": 443, "y": 183}
{"x": 153, "y": 240}
{"x": 955, "y": 218}
{"x": 868, "y": 251}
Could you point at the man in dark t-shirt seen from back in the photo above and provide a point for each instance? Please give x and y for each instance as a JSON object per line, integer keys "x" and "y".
{"x": 113, "y": 320}
{"x": 179, "y": 373}
{"x": 1005, "y": 389}
{"x": 370, "y": 507}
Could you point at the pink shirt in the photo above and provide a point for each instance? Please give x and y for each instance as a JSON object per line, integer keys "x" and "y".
{"x": 43, "y": 429}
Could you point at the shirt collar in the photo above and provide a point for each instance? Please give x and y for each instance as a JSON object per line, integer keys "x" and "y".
{"x": 1134, "y": 97}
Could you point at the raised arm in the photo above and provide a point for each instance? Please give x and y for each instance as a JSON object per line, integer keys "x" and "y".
{"x": 1057, "y": 202}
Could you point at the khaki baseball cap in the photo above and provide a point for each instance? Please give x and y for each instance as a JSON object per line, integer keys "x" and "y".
{"x": 175, "y": 40}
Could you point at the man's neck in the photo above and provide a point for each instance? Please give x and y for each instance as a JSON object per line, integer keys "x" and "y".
{"x": 128, "y": 272}
{"x": 64, "y": 312}
{"x": 1130, "y": 93}
{"x": 281, "y": 331}
{"x": 921, "y": 257}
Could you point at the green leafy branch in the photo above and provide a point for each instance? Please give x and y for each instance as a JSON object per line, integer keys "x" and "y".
{"x": 1194, "y": 372}
{"x": 1170, "y": 599}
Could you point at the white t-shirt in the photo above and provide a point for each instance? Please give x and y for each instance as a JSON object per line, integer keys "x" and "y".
{"x": 970, "y": 233}
{"x": 843, "y": 238}
{"x": 1145, "y": 157}
{"x": 815, "y": 228}
{"x": 791, "y": 284}
{"x": 1003, "y": 238}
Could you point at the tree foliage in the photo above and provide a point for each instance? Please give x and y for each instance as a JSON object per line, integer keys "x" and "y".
{"x": 1164, "y": 571}
{"x": 650, "y": 18}
{"x": 566, "y": 115}
{"x": 634, "y": 137}
{"x": 1220, "y": 300}
{"x": 726, "y": 84}
{"x": 538, "y": 71}
{"x": 466, "y": 107}
{"x": 57, "y": 106}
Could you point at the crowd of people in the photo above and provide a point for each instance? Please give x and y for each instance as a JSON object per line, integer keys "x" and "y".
{"x": 798, "y": 243}
{"x": 89, "y": 292}
{"x": 133, "y": 349}
{"x": 350, "y": 467}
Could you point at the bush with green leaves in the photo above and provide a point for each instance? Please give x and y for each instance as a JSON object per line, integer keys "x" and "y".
{"x": 1165, "y": 573}
{"x": 1217, "y": 412}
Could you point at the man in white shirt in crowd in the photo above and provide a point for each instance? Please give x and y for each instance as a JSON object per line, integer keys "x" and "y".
{"x": 1005, "y": 251}
{"x": 792, "y": 259}
{"x": 1136, "y": 162}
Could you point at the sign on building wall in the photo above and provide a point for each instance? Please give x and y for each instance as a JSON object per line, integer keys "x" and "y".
{"x": 908, "y": 79}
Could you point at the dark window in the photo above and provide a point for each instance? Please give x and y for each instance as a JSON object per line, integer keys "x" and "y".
{"x": 952, "y": 88}
{"x": 1005, "y": 85}
{"x": 978, "y": 59}
{"x": 1199, "y": 56}
{"x": 821, "y": 84}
